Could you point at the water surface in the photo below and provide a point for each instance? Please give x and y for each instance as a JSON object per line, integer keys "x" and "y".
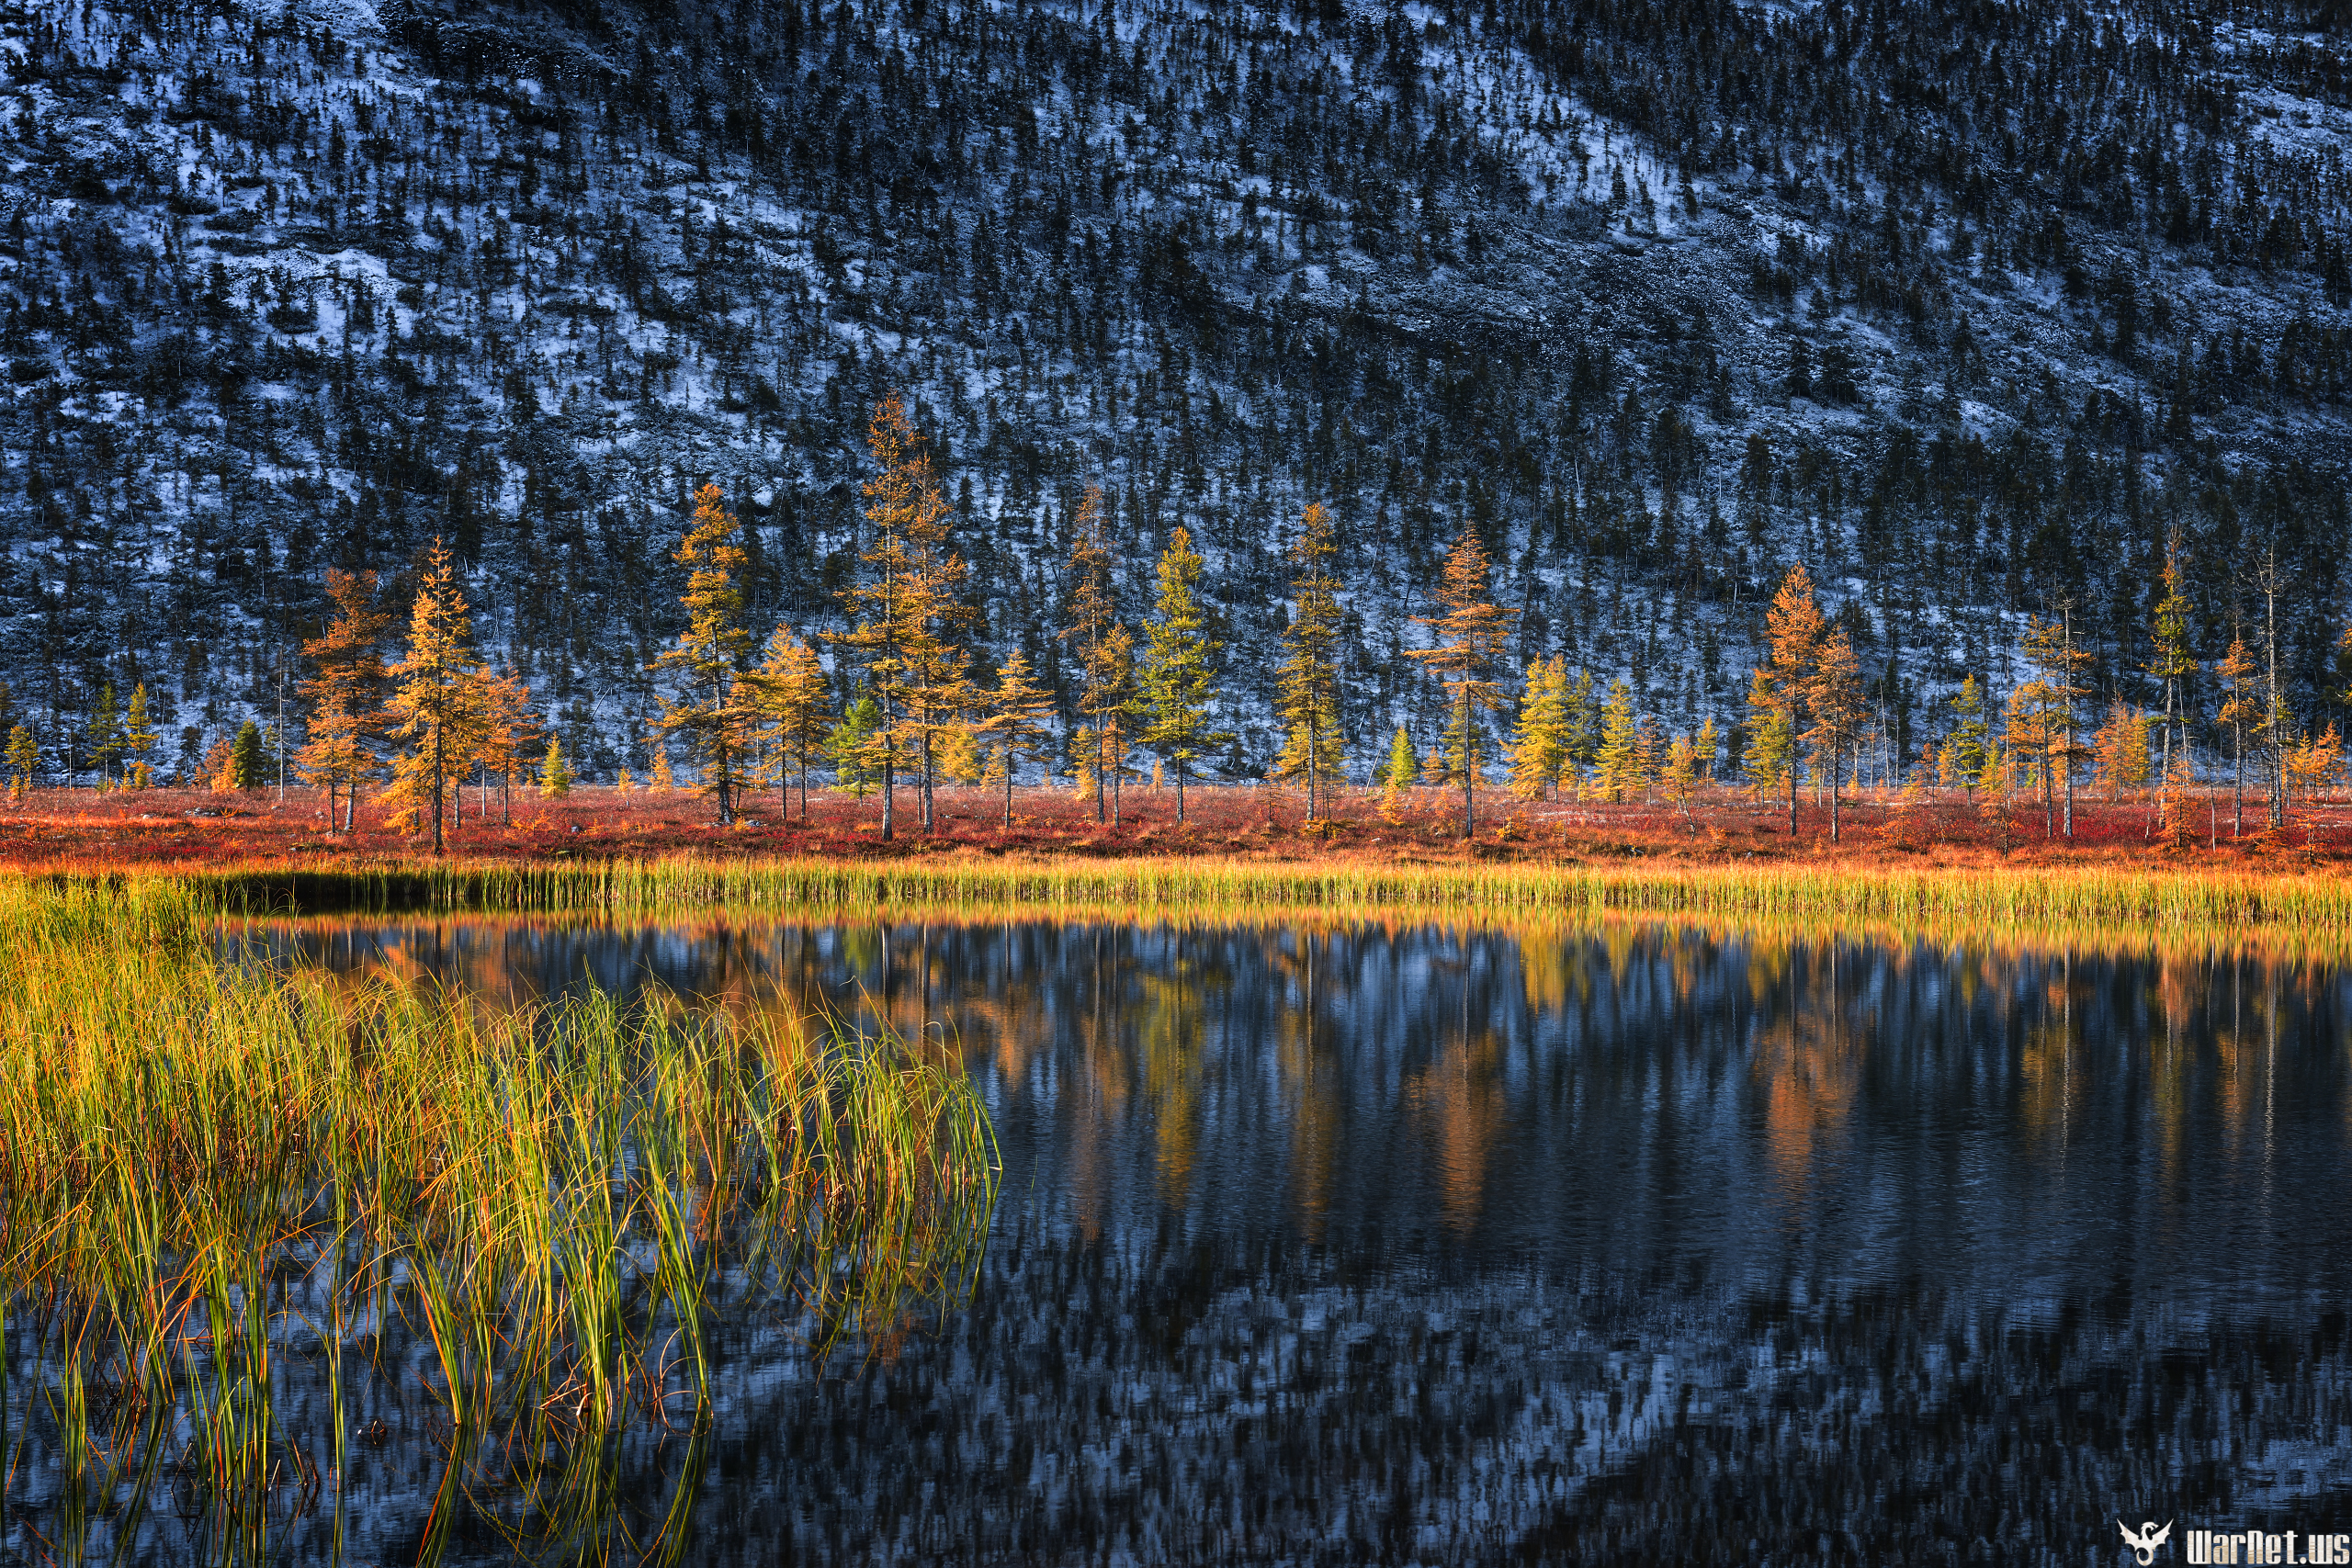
{"x": 1429, "y": 1245}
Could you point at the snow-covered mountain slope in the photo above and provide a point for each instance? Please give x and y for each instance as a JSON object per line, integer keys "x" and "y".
{"x": 1969, "y": 306}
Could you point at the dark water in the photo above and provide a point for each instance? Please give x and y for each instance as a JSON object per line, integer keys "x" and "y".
{"x": 1632, "y": 1246}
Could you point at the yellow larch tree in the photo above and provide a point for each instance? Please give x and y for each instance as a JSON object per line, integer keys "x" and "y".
{"x": 2050, "y": 647}
{"x": 2241, "y": 710}
{"x": 794, "y": 703}
{"x": 505, "y": 734}
{"x": 1469, "y": 633}
{"x": 1540, "y": 748}
{"x": 708, "y": 711}
{"x": 1833, "y": 701}
{"x": 1018, "y": 712}
{"x": 435, "y": 699}
{"x": 1794, "y": 627}
{"x": 344, "y": 699}
{"x": 903, "y": 613}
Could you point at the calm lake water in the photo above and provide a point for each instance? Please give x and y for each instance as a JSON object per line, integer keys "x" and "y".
{"x": 1636, "y": 1244}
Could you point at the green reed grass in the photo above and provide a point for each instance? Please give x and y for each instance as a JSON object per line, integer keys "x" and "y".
{"x": 2023, "y": 900}
{"x": 205, "y": 1170}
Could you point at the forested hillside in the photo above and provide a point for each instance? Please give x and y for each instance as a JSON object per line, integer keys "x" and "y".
{"x": 1971, "y": 308}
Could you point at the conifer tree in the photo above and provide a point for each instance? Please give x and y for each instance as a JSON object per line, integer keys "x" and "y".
{"x": 1469, "y": 635}
{"x": 1681, "y": 775}
{"x": 659, "y": 778}
{"x": 105, "y": 735}
{"x": 1017, "y": 714}
{"x": 1617, "y": 768}
{"x": 244, "y": 768}
{"x": 2171, "y": 660}
{"x": 1994, "y": 777}
{"x": 555, "y": 776}
{"x": 1581, "y": 739}
{"x": 434, "y": 697}
{"x": 2240, "y": 709}
{"x": 23, "y": 759}
{"x": 903, "y": 613}
{"x": 139, "y": 740}
{"x": 2030, "y": 736}
{"x": 2314, "y": 762}
{"x": 1833, "y": 699}
{"x": 2051, "y": 648}
{"x": 795, "y": 701}
{"x": 1649, "y": 747}
{"x": 959, "y": 754}
{"x": 1771, "y": 752}
{"x": 1539, "y": 750}
{"x": 1399, "y": 772}
{"x": 1308, "y": 690}
{"x": 1105, "y": 649}
{"x": 855, "y": 749}
{"x": 344, "y": 699}
{"x": 504, "y": 735}
{"x": 1963, "y": 752}
{"x": 1794, "y": 627}
{"x": 1177, "y": 685}
{"x": 1705, "y": 747}
{"x": 2120, "y": 747}
{"x": 2275, "y": 728}
{"x": 709, "y": 711}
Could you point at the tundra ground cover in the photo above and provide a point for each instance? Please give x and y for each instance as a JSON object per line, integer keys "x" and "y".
{"x": 189, "y": 828}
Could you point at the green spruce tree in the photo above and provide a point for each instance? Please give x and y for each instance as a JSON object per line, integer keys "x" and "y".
{"x": 1178, "y": 683}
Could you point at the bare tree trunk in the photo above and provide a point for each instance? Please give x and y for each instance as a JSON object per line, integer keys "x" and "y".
{"x": 2237, "y": 783}
{"x": 1469, "y": 774}
{"x": 2275, "y": 725}
{"x": 1837, "y": 762}
{"x": 2166, "y": 772}
{"x": 1180, "y": 792}
{"x": 889, "y": 782}
{"x": 926, "y": 781}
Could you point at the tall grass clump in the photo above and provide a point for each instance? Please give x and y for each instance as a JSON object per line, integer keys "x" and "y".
{"x": 208, "y": 1171}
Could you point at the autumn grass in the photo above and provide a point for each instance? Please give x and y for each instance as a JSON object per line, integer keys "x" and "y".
{"x": 2221, "y": 905}
{"x": 206, "y": 1171}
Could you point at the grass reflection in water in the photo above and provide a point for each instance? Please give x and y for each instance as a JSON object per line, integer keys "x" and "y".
{"x": 529, "y": 1220}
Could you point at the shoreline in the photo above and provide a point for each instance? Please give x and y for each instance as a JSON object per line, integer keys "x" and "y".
{"x": 2155, "y": 905}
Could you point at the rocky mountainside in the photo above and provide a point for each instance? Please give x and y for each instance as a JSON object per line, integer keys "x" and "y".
{"x": 1970, "y": 306}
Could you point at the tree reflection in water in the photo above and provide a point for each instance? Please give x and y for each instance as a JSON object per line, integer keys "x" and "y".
{"x": 1640, "y": 1242}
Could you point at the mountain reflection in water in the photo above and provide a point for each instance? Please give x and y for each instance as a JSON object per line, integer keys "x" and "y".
{"x": 1639, "y": 1242}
